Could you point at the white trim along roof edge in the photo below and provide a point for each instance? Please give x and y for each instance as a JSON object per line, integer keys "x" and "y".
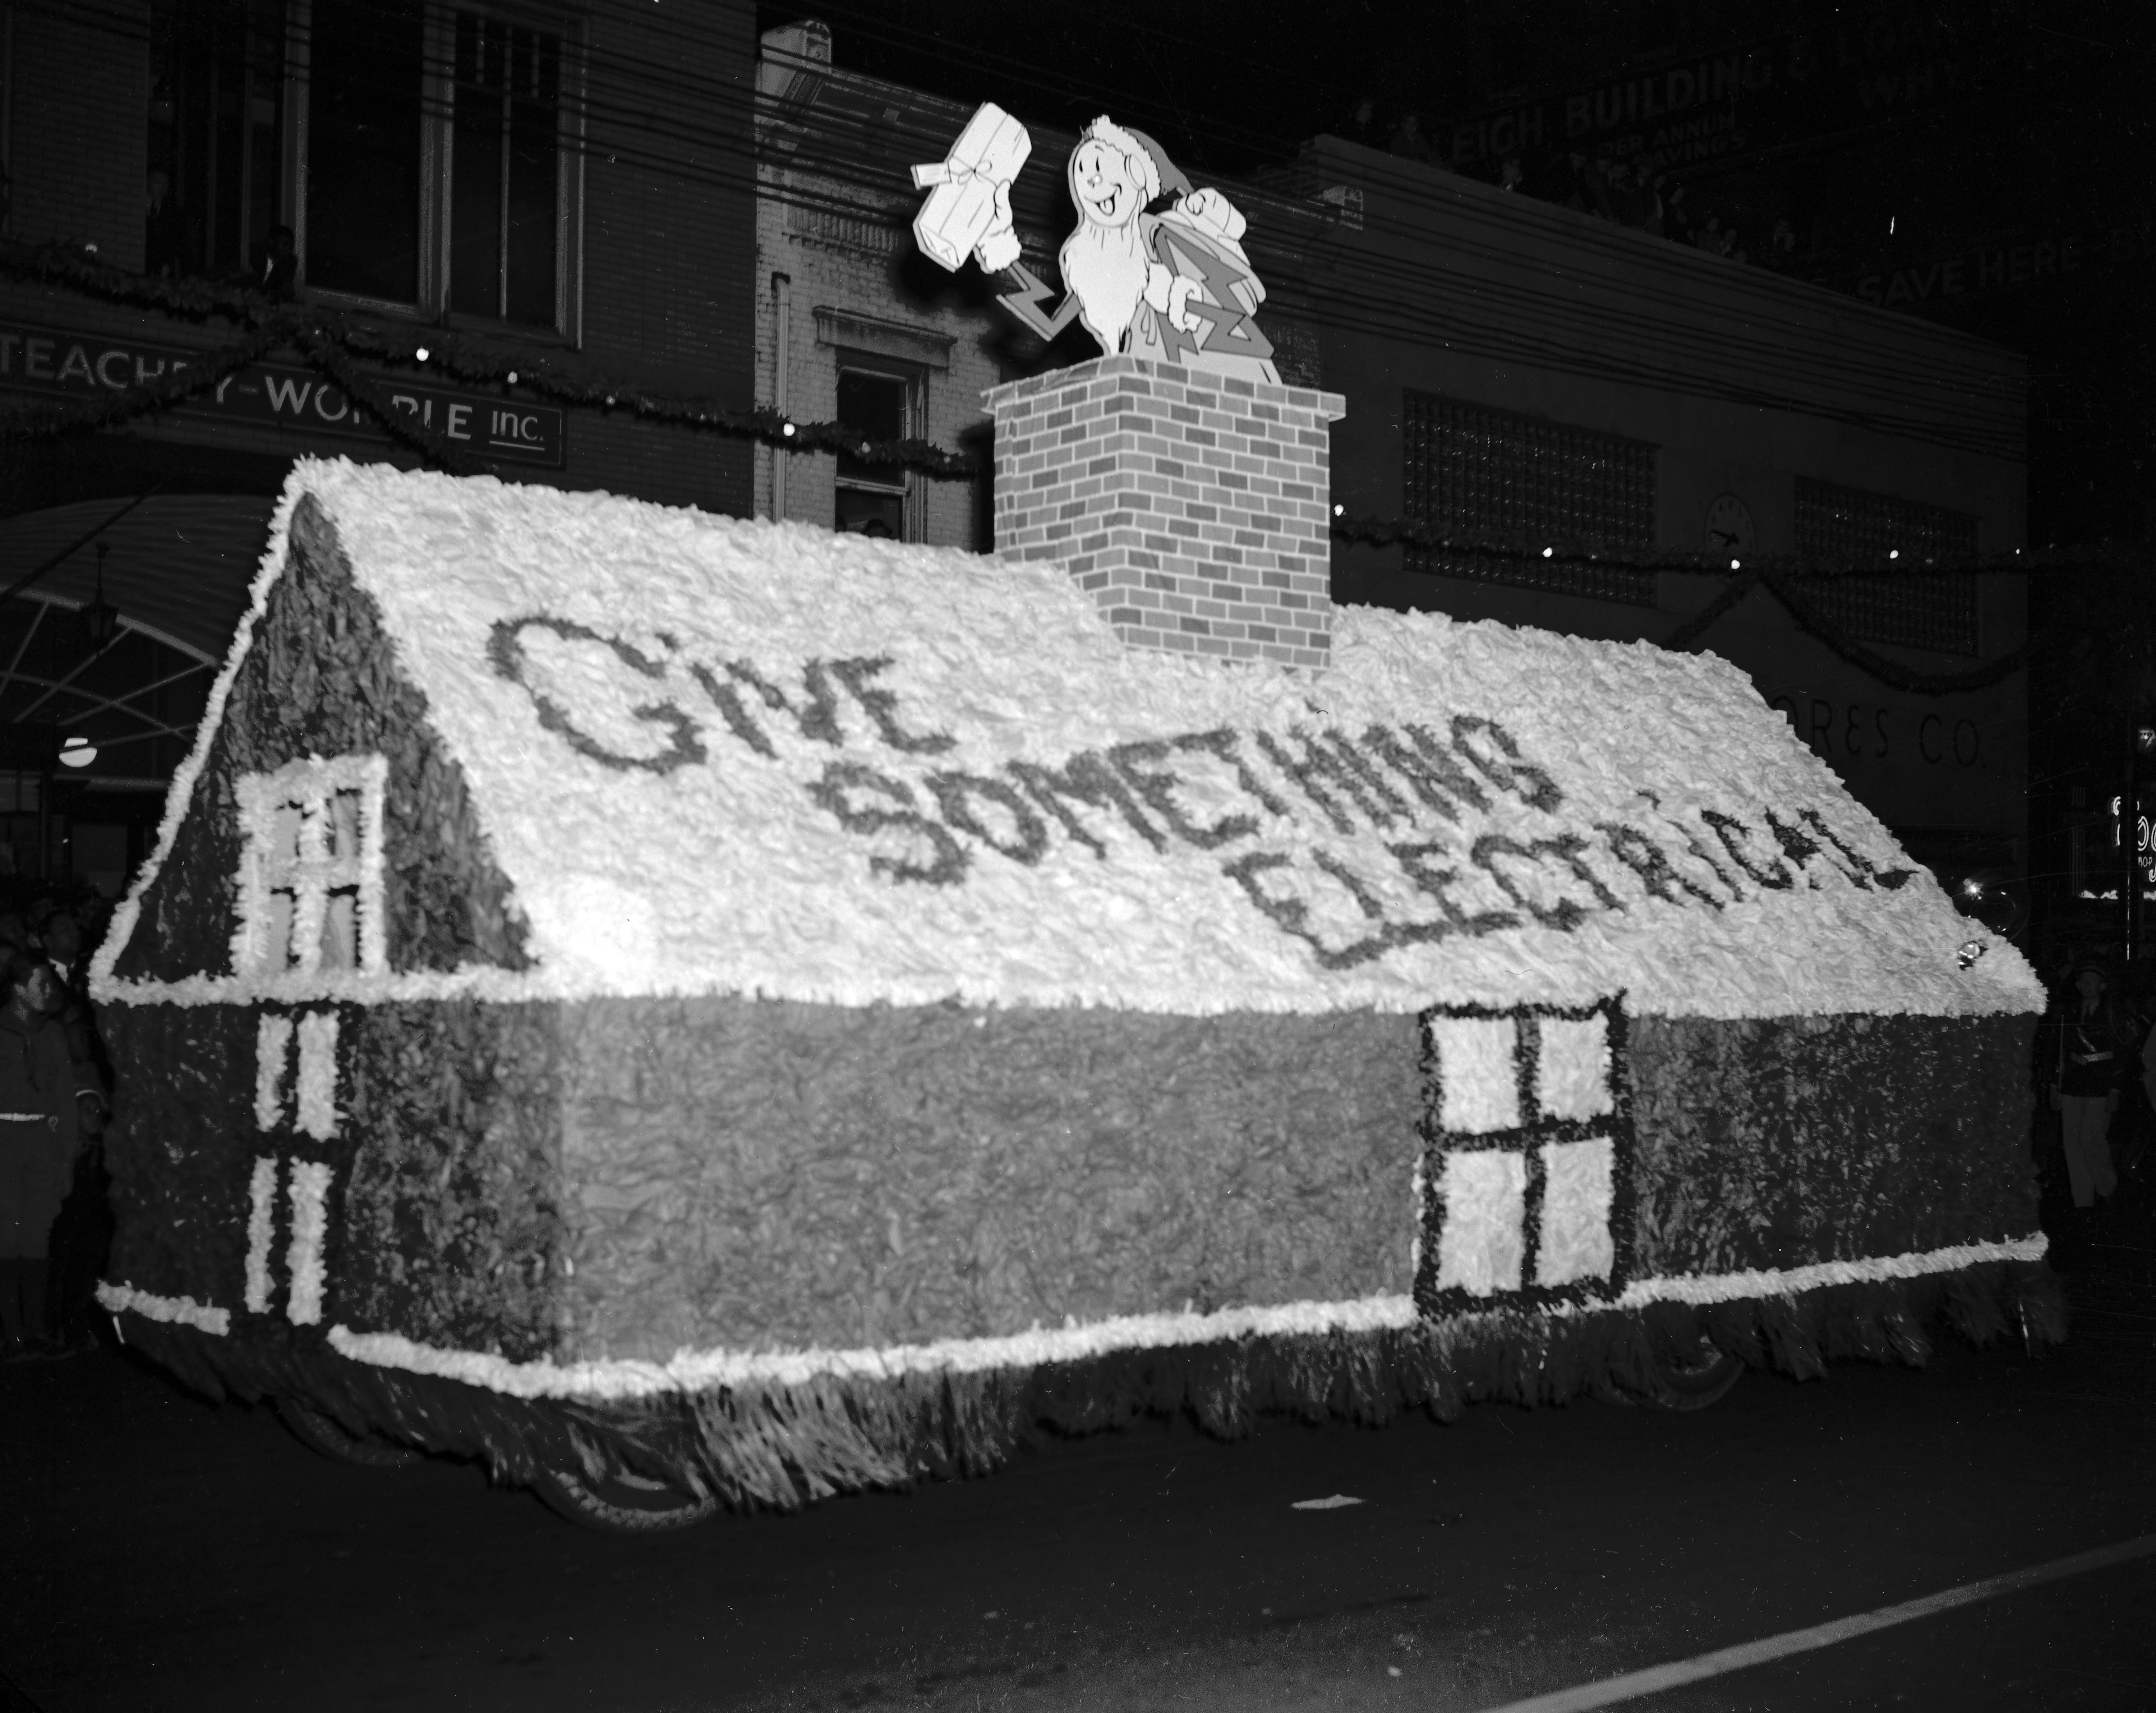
{"x": 805, "y": 701}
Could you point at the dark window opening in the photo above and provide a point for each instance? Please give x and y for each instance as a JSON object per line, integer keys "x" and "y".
{"x": 366, "y": 66}
{"x": 1935, "y": 612}
{"x": 211, "y": 179}
{"x": 1474, "y": 471}
{"x": 505, "y": 179}
{"x": 878, "y": 404}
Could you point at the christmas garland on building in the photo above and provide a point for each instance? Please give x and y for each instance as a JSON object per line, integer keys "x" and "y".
{"x": 335, "y": 344}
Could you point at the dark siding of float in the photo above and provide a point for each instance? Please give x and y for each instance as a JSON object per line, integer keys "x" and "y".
{"x": 728, "y": 1173}
{"x": 178, "y": 1148}
{"x": 448, "y": 1223}
{"x": 1784, "y": 1141}
{"x": 442, "y": 1209}
{"x": 321, "y": 678}
{"x": 746, "y": 1173}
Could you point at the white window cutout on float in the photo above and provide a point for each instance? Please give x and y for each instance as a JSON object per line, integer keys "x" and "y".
{"x": 1572, "y": 1076}
{"x": 311, "y": 867}
{"x": 1578, "y": 1185}
{"x": 1526, "y": 1152}
{"x": 1483, "y": 1249}
{"x": 272, "y": 1051}
{"x": 307, "y": 1190}
{"x": 261, "y": 1230}
{"x": 1479, "y": 1091}
{"x": 310, "y": 1192}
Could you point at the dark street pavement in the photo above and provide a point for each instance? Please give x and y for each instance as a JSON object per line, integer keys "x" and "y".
{"x": 159, "y": 1552}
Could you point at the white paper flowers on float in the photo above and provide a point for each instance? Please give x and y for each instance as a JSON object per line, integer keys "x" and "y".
{"x": 1572, "y": 1070}
{"x": 816, "y": 801}
{"x": 1578, "y": 1190}
{"x": 1479, "y": 1087}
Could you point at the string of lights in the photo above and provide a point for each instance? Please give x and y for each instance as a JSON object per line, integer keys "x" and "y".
{"x": 1814, "y": 624}
{"x": 320, "y": 332}
{"x": 632, "y": 110}
{"x": 336, "y": 343}
{"x": 333, "y": 342}
{"x": 1890, "y": 673}
{"x": 1893, "y": 563}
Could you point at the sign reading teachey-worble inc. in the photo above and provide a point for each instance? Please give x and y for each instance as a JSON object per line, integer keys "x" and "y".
{"x": 48, "y": 360}
{"x": 1325, "y": 831}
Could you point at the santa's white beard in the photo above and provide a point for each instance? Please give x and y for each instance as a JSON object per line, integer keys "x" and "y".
{"x": 1105, "y": 266}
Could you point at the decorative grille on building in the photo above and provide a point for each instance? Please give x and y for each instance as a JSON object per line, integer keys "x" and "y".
{"x": 1918, "y": 612}
{"x": 1476, "y": 470}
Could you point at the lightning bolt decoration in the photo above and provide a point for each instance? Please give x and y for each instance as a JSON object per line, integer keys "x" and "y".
{"x": 1026, "y": 302}
{"x": 1227, "y": 326}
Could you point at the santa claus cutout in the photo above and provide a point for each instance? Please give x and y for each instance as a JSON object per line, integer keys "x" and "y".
{"x": 1154, "y": 269}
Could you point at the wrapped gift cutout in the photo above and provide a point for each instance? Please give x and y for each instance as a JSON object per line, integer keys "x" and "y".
{"x": 1526, "y": 1166}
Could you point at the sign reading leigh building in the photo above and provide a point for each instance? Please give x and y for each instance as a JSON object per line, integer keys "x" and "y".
{"x": 49, "y": 360}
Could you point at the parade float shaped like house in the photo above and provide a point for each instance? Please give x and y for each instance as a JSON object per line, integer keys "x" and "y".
{"x": 786, "y": 1012}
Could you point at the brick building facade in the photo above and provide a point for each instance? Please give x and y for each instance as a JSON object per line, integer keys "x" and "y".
{"x": 646, "y": 148}
{"x": 843, "y": 290}
{"x": 526, "y": 177}
{"x": 1507, "y": 366}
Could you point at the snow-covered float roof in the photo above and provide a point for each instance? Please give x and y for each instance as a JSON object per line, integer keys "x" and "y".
{"x": 716, "y": 756}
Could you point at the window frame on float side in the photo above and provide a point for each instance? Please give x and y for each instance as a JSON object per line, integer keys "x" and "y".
{"x": 906, "y": 486}
{"x": 301, "y": 798}
{"x": 434, "y": 111}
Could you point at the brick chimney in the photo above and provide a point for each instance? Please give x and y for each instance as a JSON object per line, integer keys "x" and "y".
{"x": 1194, "y": 508}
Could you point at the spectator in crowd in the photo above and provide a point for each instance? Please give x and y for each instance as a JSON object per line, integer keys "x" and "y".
{"x": 1677, "y": 218}
{"x": 2149, "y": 1067}
{"x": 277, "y": 272}
{"x": 55, "y": 931}
{"x": 1718, "y": 240}
{"x": 42, "y": 1096}
{"x": 1363, "y": 124}
{"x": 1573, "y": 194}
{"x": 1632, "y": 196}
{"x": 165, "y": 247}
{"x": 82, "y": 1232}
{"x": 1509, "y": 174}
{"x": 2096, "y": 1042}
{"x": 1595, "y": 185}
{"x": 1408, "y": 142}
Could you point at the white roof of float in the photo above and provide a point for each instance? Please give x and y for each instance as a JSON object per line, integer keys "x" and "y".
{"x": 685, "y": 803}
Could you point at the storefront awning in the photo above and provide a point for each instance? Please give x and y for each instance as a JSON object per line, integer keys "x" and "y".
{"x": 176, "y": 568}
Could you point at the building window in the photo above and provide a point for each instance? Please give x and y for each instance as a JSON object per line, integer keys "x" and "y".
{"x": 1937, "y": 613}
{"x": 210, "y": 190}
{"x": 1473, "y": 470}
{"x": 879, "y": 400}
{"x": 311, "y": 868}
{"x": 505, "y": 197}
{"x": 366, "y": 70}
{"x": 434, "y": 148}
